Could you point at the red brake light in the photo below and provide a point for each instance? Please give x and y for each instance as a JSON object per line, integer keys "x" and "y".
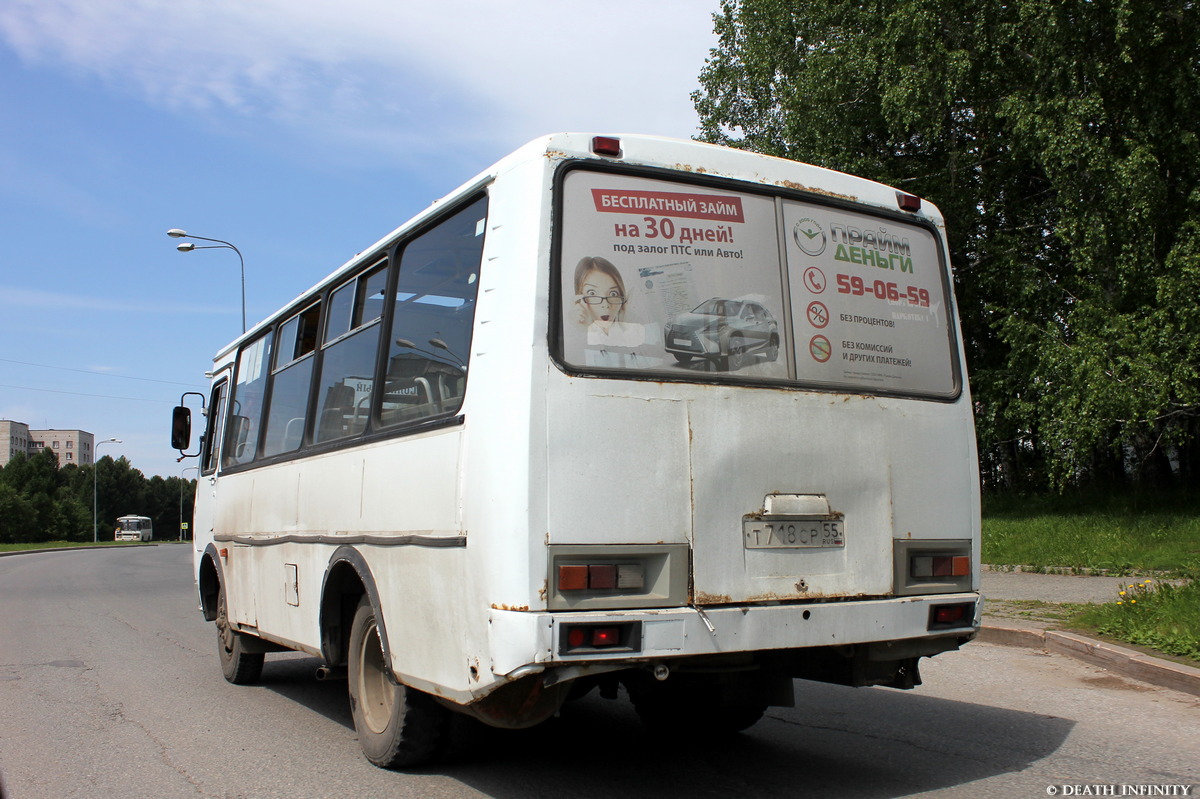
{"x": 582, "y": 639}
{"x": 606, "y": 636}
{"x": 949, "y": 614}
{"x": 946, "y": 617}
{"x": 606, "y": 145}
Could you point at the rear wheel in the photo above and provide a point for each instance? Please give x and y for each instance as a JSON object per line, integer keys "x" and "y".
{"x": 397, "y": 726}
{"x": 239, "y": 666}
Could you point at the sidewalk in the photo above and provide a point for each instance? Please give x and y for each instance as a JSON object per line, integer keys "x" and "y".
{"x": 1010, "y": 624}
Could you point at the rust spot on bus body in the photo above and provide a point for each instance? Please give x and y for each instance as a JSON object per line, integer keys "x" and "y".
{"x": 791, "y": 184}
{"x": 519, "y": 608}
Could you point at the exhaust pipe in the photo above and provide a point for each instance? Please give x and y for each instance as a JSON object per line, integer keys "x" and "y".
{"x": 326, "y": 673}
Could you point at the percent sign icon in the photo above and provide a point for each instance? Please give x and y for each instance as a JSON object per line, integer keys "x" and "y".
{"x": 818, "y": 314}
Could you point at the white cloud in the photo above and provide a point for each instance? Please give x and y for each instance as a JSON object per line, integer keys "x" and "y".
{"x": 395, "y": 75}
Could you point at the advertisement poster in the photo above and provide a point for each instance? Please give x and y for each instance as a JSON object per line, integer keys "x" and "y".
{"x": 868, "y": 303}
{"x": 666, "y": 276}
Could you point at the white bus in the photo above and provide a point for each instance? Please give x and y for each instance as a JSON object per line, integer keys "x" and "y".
{"x": 622, "y": 412}
{"x": 134, "y": 528}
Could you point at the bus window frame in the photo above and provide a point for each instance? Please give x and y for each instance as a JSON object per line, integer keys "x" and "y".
{"x": 266, "y": 334}
{"x": 280, "y": 366}
{"x": 555, "y": 333}
{"x": 214, "y": 431}
{"x": 356, "y": 283}
{"x": 399, "y": 256}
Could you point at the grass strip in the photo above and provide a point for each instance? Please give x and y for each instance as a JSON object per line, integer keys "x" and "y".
{"x": 1158, "y": 615}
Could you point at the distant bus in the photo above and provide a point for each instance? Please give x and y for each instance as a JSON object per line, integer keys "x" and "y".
{"x": 134, "y": 528}
{"x": 618, "y": 412}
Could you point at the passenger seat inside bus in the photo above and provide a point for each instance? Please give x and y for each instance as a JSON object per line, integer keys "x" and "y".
{"x": 339, "y": 406}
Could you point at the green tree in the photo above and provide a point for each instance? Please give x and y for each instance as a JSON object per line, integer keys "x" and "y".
{"x": 166, "y": 499}
{"x": 34, "y": 479}
{"x": 17, "y": 521}
{"x": 1060, "y": 140}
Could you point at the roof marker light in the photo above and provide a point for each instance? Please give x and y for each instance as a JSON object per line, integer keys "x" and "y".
{"x": 908, "y": 202}
{"x": 606, "y": 145}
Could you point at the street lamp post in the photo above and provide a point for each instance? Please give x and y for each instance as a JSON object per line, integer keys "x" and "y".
{"x": 187, "y": 246}
{"x": 95, "y": 505}
{"x": 181, "y": 484}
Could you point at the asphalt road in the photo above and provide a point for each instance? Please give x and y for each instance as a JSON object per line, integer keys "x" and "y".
{"x": 110, "y": 687}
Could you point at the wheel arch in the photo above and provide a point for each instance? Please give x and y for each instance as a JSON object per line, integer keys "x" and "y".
{"x": 209, "y": 578}
{"x": 347, "y": 578}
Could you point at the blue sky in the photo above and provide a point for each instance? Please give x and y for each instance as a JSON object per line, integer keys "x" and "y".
{"x": 298, "y": 130}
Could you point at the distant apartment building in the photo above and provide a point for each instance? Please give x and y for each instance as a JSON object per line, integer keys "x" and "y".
{"x": 71, "y": 446}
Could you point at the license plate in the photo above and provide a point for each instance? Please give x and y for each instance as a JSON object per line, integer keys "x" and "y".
{"x": 793, "y": 533}
{"x": 683, "y": 342}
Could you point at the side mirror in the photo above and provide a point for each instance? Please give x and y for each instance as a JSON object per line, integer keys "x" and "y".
{"x": 181, "y": 428}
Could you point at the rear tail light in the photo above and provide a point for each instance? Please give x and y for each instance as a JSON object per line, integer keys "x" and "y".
{"x": 944, "y": 617}
{"x": 616, "y": 576}
{"x": 601, "y": 577}
{"x": 572, "y": 578}
{"x": 578, "y": 639}
{"x": 925, "y": 566}
{"x": 606, "y": 636}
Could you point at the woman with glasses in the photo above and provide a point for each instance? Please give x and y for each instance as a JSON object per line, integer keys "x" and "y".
{"x": 601, "y": 300}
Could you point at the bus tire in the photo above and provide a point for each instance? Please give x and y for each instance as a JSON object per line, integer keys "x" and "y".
{"x": 398, "y": 726}
{"x": 239, "y": 666}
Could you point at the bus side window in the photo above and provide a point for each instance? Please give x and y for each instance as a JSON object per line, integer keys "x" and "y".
{"x": 216, "y": 423}
{"x": 286, "y": 418}
{"x": 241, "y": 437}
{"x": 346, "y": 382}
{"x": 432, "y": 320}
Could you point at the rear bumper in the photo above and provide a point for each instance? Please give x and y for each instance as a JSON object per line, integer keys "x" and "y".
{"x": 519, "y": 639}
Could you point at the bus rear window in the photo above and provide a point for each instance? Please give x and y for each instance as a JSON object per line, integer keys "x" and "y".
{"x": 664, "y": 277}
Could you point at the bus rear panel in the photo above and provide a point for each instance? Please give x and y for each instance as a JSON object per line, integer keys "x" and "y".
{"x": 619, "y": 413}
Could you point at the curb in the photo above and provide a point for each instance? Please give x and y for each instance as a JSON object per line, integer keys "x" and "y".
{"x": 1127, "y": 662}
